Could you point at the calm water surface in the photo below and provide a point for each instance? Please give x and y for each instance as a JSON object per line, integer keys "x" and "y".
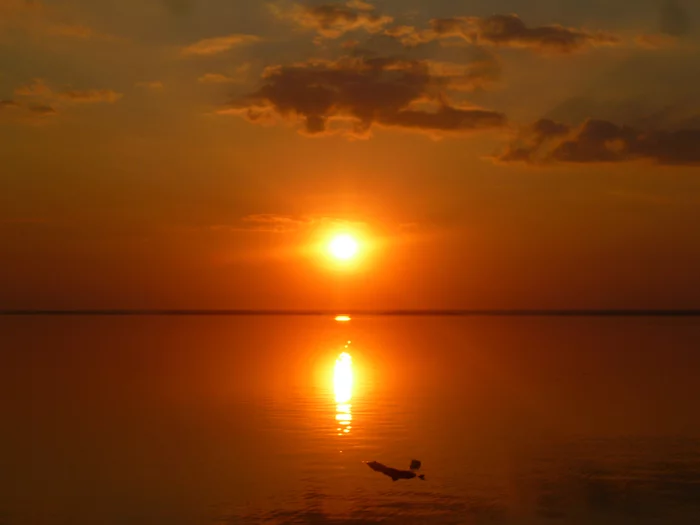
{"x": 149, "y": 421}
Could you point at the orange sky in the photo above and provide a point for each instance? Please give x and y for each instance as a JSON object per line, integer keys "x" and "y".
{"x": 184, "y": 154}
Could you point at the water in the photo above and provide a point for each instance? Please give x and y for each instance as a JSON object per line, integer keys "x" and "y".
{"x": 235, "y": 421}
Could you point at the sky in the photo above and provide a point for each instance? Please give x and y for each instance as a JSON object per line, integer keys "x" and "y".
{"x": 500, "y": 154}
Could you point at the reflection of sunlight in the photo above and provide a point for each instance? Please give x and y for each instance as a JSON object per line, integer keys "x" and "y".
{"x": 342, "y": 378}
{"x": 342, "y": 383}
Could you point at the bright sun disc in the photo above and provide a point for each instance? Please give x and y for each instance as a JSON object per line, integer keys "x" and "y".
{"x": 343, "y": 247}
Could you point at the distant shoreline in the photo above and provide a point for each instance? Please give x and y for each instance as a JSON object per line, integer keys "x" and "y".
{"x": 363, "y": 313}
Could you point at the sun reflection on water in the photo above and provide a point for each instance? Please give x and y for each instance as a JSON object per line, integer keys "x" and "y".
{"x": 342, "y": 384}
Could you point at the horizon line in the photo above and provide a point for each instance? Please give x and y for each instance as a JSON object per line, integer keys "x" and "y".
{"x": 468, "y": 312}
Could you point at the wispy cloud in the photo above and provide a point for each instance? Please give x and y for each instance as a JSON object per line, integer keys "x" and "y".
{"x": 601, "y": 141}
{"x": 656, "y": 41}
{"x": 46, "y": 20}
{"x": 215, "y": 78}
{"x": 334, "y": 20}
{"x": 78, "y": 32}
{"x": 153, "y": 85}
{"x": 213, "y": 46}
{"x": 282, "y": 223}
{"x": 42, "y": 109}
{"x": 504, "y": 31}
{"x": 39, "y": 89}
{"x": 270, "y": 222}
{"x": 39, "y": 99}
{"x": 239, "y": 75}
{"x": 90, "y": 96}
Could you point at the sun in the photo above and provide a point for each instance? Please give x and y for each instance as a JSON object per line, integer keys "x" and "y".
{"x": 343, "y": 247}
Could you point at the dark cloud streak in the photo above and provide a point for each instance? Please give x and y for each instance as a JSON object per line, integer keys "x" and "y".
{"x": 504, "y": 31}
{"x": 601, "y": 141}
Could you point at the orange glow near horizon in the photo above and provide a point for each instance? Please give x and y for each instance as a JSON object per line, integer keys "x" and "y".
{"x": 342, "y": 318}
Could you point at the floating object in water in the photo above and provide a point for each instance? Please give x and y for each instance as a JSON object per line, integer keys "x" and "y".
{"x": 396, "y": 474}
{"x": 415, "y": 464}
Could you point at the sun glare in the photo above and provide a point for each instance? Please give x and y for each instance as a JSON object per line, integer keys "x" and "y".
{"x": 343, "y": 247}
{"x": 342, "y": 378}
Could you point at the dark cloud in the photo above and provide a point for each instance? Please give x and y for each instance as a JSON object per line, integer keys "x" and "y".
{"x": 532, "y": 140}
{"x": 334, "y": 20}
{"x": 8, "y": 104}
{"x": 353, "y": 94}
{"x": 601, "y": 141}
{"x": 503, "y": 31}
{"x": 674, "y": 19}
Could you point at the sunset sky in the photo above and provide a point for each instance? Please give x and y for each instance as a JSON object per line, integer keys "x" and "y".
{"x": 486, "y": 154}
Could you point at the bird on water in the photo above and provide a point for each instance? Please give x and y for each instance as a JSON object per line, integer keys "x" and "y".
{"x": 397, "y": 474}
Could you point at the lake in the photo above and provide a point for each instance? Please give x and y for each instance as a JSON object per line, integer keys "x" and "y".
{"x": 245, "y": 420}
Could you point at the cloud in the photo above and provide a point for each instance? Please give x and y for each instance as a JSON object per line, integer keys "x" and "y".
{"x": 504, "y": 31}
{"x": 34, "y": 16}
{"x": 39, "y": 89}
{"x": 601, "y": 141}
{"x": 213, "y": 46}
{"x": 39, "y": 99}
{"x": 334, "y": 20}
{"x": 42, "y": 109}
{"x": 280, "y": 223}
{"x": 215, "y": 78}
{"x": 240, "y": 75}
{"x": 153, "y": 85}
{"x": 656, "y": 41}
{"x": 353, "y": 94}
{"x": 31, "y": 107}
{"x": 90, "y": 96}
{"x": 25, "y": 111}
{"x": 270, "y": 222}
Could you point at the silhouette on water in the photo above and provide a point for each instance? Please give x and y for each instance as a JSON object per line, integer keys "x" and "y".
{"x": 396, "y": 474}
